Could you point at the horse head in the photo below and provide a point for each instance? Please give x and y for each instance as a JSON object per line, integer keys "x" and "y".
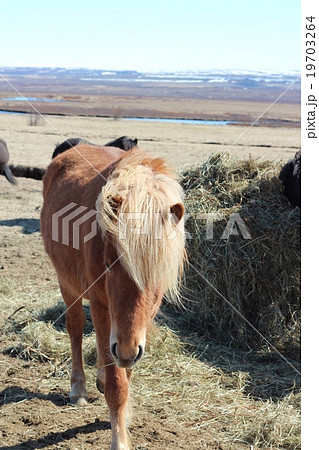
{"x": 143, "y": 229}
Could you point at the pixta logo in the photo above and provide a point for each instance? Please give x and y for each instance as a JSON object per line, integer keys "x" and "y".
{"x": 67, "y": 221}
{"x": 77, "y": 213}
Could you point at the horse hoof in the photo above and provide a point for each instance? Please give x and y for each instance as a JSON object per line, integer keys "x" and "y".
{"x": 79, "y": 401}
{"x": 100, "y": 386}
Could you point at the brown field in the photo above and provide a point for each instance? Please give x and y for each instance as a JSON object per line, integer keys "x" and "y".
{"x": 196, "y": 395}
{"x": 282, "y": 113}
{"x": 181, "y": 144}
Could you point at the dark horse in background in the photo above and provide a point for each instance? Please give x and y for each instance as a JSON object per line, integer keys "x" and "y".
{"x": 4, "y": 158}
{"x": 290, "y": 176}
{"x": 123, "y": 142}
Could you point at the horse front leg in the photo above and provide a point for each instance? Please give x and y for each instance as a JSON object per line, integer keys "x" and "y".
{"x": 117, "y": 398}
{"x": 111, "y": 380}
{"x": 75, "y": 320}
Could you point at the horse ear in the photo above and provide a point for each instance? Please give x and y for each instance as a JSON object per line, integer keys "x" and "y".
{"x": 115, "y": 202}
{"x": 178, "y": 211}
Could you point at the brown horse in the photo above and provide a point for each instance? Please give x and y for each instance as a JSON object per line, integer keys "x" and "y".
{"x": 135, "y": 258}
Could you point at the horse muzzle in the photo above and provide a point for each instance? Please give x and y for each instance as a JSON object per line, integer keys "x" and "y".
{"x": 126, "y": 358}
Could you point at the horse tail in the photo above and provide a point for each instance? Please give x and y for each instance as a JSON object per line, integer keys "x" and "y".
{"x": 8, "y": 174}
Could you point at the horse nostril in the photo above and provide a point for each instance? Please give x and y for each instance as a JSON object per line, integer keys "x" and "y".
{"x": 113, "y": 350}
{"x": 140, "y": 353}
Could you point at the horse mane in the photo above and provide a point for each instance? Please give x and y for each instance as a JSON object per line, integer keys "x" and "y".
{"x": 144, "y": 184}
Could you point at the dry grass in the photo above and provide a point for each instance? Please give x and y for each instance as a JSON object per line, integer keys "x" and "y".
{"x": 190, "y": 381}
{"x": 231, "y": 282}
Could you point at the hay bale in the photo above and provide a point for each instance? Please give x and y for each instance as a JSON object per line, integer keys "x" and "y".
{"x": 235, "y": 280}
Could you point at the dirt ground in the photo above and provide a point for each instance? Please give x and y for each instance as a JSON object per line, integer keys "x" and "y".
{"x": 35, "y": 412}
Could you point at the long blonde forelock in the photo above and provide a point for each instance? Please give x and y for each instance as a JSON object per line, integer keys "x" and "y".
{"x": 146, "y": 186}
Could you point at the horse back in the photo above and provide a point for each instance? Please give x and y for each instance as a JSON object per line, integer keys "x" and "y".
{"x": 79, "y": 167}
{"x": 76, "y": 178}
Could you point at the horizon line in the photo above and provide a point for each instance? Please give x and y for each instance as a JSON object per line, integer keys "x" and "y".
{"x": 164, "y": 71}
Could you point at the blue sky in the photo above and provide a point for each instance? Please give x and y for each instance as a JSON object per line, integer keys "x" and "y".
{"x": 152, "y": 35}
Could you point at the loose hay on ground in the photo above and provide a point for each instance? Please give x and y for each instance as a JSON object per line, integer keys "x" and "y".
{"x": 171, "y": 382}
